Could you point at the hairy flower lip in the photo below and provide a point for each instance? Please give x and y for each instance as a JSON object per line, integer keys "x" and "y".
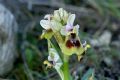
{"x": 73, "y": 43}
{"x": 69, "y": 44}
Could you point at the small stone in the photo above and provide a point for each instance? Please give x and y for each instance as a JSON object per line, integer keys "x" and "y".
{"x": 108, "y": 61}
{"x": 104, "y": 39}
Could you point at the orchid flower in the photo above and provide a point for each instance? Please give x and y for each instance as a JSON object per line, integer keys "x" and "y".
{"x": 61, "y": 15}
{"x": 50, "y": 25}
{"x": 54, "y": 21}
{"x": 73, "y": 45}
{"x": 69, "y": 26}
{"x": 45, "y": 23}
{"x": 54, "y": 59}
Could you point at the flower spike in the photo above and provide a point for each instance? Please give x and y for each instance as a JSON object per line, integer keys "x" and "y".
{"x": 60, "y": 27}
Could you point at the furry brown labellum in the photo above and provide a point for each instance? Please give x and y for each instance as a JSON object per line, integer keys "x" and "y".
{"x": 73, "y": 41}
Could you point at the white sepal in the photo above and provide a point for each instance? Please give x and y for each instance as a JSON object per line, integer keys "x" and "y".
{"x": 71, "y": 19}
{"x": 48, "y": 16}
{"x": 61, "y": 12}
{"x": 56, "y": 26}
{"x": 45, "y": 24}
{"x": 57, "y": 15}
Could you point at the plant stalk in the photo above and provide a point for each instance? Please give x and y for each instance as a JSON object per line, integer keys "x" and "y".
{"x": 66, "y": 68}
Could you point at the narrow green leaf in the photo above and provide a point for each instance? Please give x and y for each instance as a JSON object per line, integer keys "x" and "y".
{"x": 89, "y": 75}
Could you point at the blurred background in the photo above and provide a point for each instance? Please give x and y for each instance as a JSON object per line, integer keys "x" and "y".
{"x": 99, "y": 22}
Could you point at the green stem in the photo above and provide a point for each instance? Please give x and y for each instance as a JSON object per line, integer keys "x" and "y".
{"x": 66, "y": 68}
{"x": 58, "y": 38}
